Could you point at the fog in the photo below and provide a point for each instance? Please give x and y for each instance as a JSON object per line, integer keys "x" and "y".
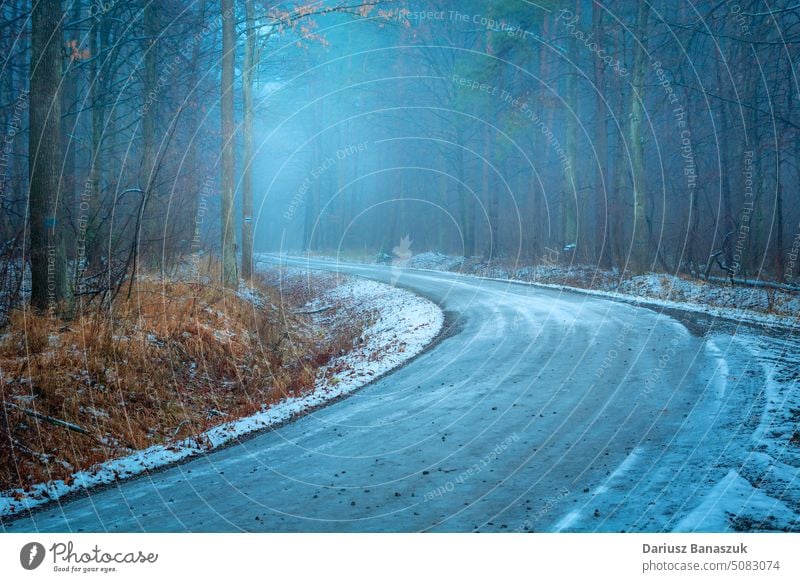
{"x": 629, "y": 137}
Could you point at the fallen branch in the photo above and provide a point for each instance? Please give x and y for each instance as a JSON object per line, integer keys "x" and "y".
{"x": 757, "y": 283}
{"x": 50, "y": 419}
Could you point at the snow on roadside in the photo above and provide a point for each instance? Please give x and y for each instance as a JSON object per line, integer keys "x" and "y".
{"x": 735, "y": 500}
{"x": 737, "y": 314}
{"x": 655, "y": 290}
{"x": 755, "y": 303}
{"x": 404, "y": 324}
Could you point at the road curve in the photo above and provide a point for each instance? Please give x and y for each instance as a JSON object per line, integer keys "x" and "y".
{"x": 540, "y": 411}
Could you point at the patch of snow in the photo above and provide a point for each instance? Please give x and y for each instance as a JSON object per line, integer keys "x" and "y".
{"x": 733, "y": 500}
{"x": 732, "y": 313}
{"x": 435, "y": 260}
{"x": 250, "y": 295}
{"x": 755, "y": 302}
{"x": 404, "y": 325}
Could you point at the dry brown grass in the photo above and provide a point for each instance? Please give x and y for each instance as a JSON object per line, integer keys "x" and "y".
{"x": 170, "y": 362}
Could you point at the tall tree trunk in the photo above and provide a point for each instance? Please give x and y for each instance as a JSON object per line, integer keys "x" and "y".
{"x": 694, "y": 206}
{"x": 602, "y": 246}
{"x": 726, "y": 216}
{"x": 777, "y": 256}
{"x": 442, "y": 225}
{"x": 247, "y": 179}
{"x": 491, "y": 248}
{"x": 150, "y": 218}
{"x": 569, "y": 191}
{"x": 69, "y": 100}
{"x": 49, "y": 289}
{"x": 198, "y": 178}
{"x": 95, "y": 242}
{"x": 640, "y": 248}
{"x": 313, "y": 235}
{"x": 466, "y": 203}
{"x": 229, "y": 276}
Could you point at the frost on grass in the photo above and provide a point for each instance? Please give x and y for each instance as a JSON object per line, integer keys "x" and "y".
{"x": 369, "y": 329}
{"x": 754, "y": 303}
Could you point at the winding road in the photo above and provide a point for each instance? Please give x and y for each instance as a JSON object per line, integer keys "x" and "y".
{"x": 538, "y": 410}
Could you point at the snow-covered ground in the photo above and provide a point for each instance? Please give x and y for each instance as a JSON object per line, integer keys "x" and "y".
{"x": 402, "y": 325}
{"x": 733, "y": 466}
{"x": 762, "y": 491}
{"x": 778, "y": 307}
{"x": 757, "y": 302}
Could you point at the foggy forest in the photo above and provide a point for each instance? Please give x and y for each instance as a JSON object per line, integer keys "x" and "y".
{"x": 217, "y": 215}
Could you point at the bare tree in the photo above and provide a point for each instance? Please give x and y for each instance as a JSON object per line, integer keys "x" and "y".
{"x": 229, "y": 275}
{"x": 639, "y": 253}
{"x": 248, "y": 71}
{"x": 49, "y": 288}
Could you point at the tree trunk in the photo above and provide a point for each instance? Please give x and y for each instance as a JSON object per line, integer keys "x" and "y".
{"x": 198, "y": 177}
{"x": 639, "y": 261}
{"x": 569, "y": 191}
{"x": 70, "y": 108}
{"x": 466, "y": 205}
{"x": 49, "y": 289}
{"x": 442, "y": 225}
{"x": 150, "y": 212}
{"x": 247, "y": 179}
{"x": 602, "y": 246}
{"x": 490, "y": 195}
{"x": 95, "y": 242}
{"x": 313, "y": 235}
{"x": 229, "y": 276}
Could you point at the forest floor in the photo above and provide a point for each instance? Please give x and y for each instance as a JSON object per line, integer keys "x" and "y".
{"x": 181, "y": 367}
